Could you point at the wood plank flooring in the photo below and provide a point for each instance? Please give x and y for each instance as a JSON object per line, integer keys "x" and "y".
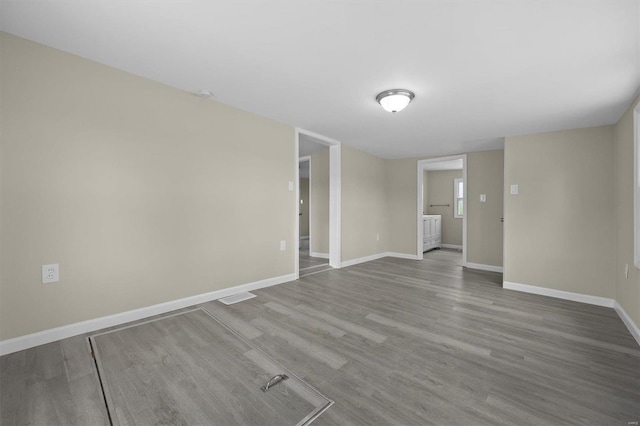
{"x": 393, "y": 342}
{"x": 191, "y": 369}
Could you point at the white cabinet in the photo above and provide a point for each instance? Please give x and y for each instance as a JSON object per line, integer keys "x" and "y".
{"x": 432, "y": 231}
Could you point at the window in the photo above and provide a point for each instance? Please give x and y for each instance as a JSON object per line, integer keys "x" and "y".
{"x": 458, "y": 198}
{"x": 636, "y": 186}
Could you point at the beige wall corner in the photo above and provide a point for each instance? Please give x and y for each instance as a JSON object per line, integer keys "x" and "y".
{"x": 402, "y": 187}
{"x": 440, "y": 186}
{"x": 485, "y": 175}
{"x": 627, "y": 289}
{"x": 319, "y": 226}
{"x": 364, "y": 204}
{"x": 560, "y": 228}
{"x": 142, "y": 193}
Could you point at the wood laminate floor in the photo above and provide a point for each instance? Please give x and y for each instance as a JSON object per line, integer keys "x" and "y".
{"x": 393, "y": 342}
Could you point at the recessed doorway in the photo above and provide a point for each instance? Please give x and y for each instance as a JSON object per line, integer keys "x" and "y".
{"x": 319, "y": 205}
{"x": 441, "y": 215}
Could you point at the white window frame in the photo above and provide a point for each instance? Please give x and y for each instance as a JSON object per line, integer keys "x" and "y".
{"x": 457, "y": 196}
{"x": 636, "y": 186}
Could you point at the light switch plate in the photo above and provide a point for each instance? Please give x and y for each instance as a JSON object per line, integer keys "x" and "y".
{"x": 283, "y": 245}
{"x": 514, "y": 190}
{"x": 483, "y": 198}
{"x": 290, "y": 185}
{"x": 50, "y": 273}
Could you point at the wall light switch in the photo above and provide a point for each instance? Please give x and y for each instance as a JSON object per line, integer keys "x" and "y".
{"x": 514, "y": 190}
{"x": 50, "y": 273}
{"x": 283, "y": 245}
{"x": 290, "y": 185}
{"x": 483, "y": 198}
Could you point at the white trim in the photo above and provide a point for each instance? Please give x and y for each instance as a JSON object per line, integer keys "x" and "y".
{"x": 421, "y": 168}
{"x": 626, "y": 319}
{"x": 560, "y": 294}
{"x": 296, "y": 231}
{"x": 335, "y": 194}
{"x": 47, "y": 336}
{"x": 636, "y": 186}
{"x": 378, "y": 256}
{"x": 320, "y": 255}
{"x": 485, "y": 267}
{"x": 363, "y": 259}
{"x": 451, "y": 246}
{"x": 402, "y": 255}
{"x": 335, "y": 206}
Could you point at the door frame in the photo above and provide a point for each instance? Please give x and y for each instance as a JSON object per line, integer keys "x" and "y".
{"x": 421, "y": 170}
{"x": 335, "y": 192}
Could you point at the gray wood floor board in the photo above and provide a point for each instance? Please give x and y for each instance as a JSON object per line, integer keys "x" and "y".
{"x": 350, "y": 327}
{"x": 240, "y": 326}
{"x": 301, "y": 318}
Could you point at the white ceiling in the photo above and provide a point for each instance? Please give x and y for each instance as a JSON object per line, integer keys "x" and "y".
{"x": 481, "y": 70}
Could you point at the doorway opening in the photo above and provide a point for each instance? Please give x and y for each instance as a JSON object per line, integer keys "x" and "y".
{"x": 442, "y": 207}
{"x": 313, "y": 217}
{"x": 317, "y": 203}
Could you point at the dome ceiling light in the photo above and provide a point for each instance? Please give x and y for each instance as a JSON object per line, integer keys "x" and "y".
{"x": 395, "y": 100}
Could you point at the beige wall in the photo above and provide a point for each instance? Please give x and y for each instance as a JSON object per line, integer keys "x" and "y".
{"x": 440, "y": 191}
{"x": 560, "y": 229}
{"x": 425, "y": 196}
{"x": 319, "y": 226}
{"x": 401, "y": 182}
{"x": 304, "y": 207}
{"x": 141, "y": 192}
{"x": 627, "y": 290}
{"x": 485, "y": 175}
{"x": 364, "y": 204}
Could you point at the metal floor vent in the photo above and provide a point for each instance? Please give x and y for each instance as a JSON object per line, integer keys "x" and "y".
{"x": 240, "y": 297}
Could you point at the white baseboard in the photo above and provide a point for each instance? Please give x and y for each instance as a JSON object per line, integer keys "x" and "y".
{"x": 402, "y": 255}
{"x": 626, "y": 319}
{"x": 47, "y": 336}
{"x": 485, "y": 267}
{"x": 320, "y": 255}
{"x": 352, "y": 262}
{"x": 451, "y": 246}
{"x": 378, "y": 256}
{"x": 560, "y": 294}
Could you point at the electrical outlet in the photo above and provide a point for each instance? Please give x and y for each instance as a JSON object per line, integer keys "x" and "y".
{"x": 290, "y": 185}
{"x": 377, "y": 237}
{"x": 283, "y": 245}
{"x": 50, "y": 273}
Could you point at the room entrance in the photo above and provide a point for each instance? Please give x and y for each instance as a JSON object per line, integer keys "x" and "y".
{"x": 441, "y": 215}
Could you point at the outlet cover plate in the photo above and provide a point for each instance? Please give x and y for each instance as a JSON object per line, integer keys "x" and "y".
{"x": 50, "y": 273}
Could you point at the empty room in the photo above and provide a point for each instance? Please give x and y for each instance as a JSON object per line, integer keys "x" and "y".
{"x": 340, "y": 213}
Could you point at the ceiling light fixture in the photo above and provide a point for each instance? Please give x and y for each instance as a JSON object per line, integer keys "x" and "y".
{"x": 395, "y": 100}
